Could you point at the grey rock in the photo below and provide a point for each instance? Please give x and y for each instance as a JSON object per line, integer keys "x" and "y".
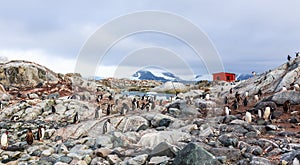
{"x": 228, "y": 140}
{"x": 47, "y": 152}
{"x": 256, "y": 150}
{"x": 281, "y": 97}
{"x": 142, "y": 127}
{"x": 251, "y": 134}
{"x": 194, "y": 154}
{"x": 113, "y": 159}
{"x": 138, "y": 160}
{"x": 164, "y": 122}
{"x": 263, "y": 104}
{"x": 290, "y": 155}
{"x": 231, "y": 154}
{"x": 102, "y": 152}
{"x": 47, "y": 160}
{"x": 104, "y": 141}
{"x": 260, "y": 161}
{"x": 65, "y": 159}
{"x": 271, "y": 127}
{"x": 164, "y": 149}
{"x": 79, "y": 151}
{"x": 274, "y": 152}
{"x": 161, "y": 160}
{"x": 99, "y": 161}
{"x": 238, "y": 122}
{"x": 172, "y": 137}
{"x": 294, "y": 120}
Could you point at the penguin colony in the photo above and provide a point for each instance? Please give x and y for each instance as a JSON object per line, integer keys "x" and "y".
{"x": 266, "y": 113}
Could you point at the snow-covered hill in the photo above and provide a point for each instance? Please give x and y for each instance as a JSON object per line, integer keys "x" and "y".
{"x": 153, "y": 73}
{"x": 243, "y": 76}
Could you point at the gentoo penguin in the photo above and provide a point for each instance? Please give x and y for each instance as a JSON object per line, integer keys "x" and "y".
{"x": 286, "y": 106}
{"x": 297, "y": 87}
{"x": 296, "y": 160}
{"x": 259, "y": 93}
{"x": 106, "y": 126}
{"x": 124, "y": 109}
{"x": 284, "y": 89}
{"x": 97, "y": 112}
{"x": 246, "y": 94}
{"x": 134, "y": 104}
{"x": 245, "y": 101}
{"x": 259, "y": 113}
{"x": 4, "y": 140}
{"x": 117, "y": 102}
{"x": 226, "y": 100}
{"x": 207, "y": 97}
{"x": 153, "y": 104}
{"x": 235, "y": 105}
{"x": 29, "y": 137}
{"x": 108, "y": 109}
{"x": 289, "y": 58}
{"x": 248, "y": 117}
{"x": 14, "y": 118}
{"x": 267, "y": 113}
{"x": 227, "y": 111}
{"x": 40, "y": 133}
{"x": 76, "y": 118}
{"x": 53, "y": 109}
{"x": 1, "y": 105}
{"x": 256, "y": 98}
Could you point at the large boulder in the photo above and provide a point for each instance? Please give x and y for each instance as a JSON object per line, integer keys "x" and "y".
{"x": 131, "y": 123}
{"x": 172, "y": 137}
{"x": 203, "y": 104}
{"x": 164, "y": 149}
{"x": 157, "y": 119}
{"x": 193, "y": 154}
{"x": 281, "y": 97}
{"x": 25, "y": 74}
{"x": 230, "y": 153}
{"x": 263, "y": 104}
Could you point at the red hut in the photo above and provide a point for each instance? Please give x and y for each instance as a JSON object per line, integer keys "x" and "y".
{"x": 223, "y": 76}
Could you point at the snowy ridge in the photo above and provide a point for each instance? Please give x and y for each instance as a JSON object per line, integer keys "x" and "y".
{"x": 152, "y": 73}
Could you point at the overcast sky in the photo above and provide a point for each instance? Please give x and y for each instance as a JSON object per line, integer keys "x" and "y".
{"x": 249, "y": 35}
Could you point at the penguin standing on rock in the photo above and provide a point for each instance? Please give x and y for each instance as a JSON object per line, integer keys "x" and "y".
{"x": 235, "y": 105}
{"x": 29, "y": 137}
{"x": 106, "y": 126}
{"x": 226, "y": 100}
{"x": 248, "y": 117}
{"x": 40, "y": 133}
{"x": 256, "y": 98}
{"x": 76, "y": 118}
{"x": 1, "y": 105}
{"x": 289, "y": 58}
{"x": 287, "y": 106}
{"x": 245, "y": 101}
{"x": 97, "y": 112}
{"x": 227, "y": 111}
{"x": 267, "y": 113}
{"x": 259, "y": 113}
{"x": 53, "y": 109}
{"x": 4, "y": 140}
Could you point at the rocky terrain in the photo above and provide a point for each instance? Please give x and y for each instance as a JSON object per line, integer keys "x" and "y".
{"x": 189, "y": 129}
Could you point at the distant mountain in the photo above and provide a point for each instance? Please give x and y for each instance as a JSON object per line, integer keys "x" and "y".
{"x": 243, "y": 76}
{"x": 204, "y": 77}
{"x": 153, "y": 73}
